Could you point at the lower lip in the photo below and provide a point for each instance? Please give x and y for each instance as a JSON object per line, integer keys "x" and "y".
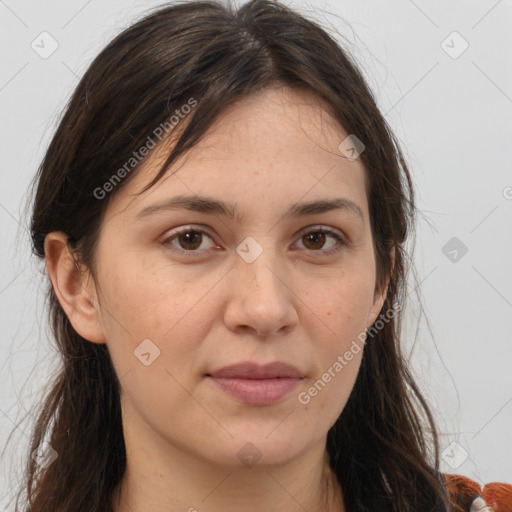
{"x": 257, "y": 391}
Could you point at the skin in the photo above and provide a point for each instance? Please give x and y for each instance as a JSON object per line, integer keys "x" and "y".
{"x": 294, "y": 303}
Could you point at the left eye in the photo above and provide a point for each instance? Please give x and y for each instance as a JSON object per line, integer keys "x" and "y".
{"x": 190, "y": 240}
{"x": 319, "y": 235}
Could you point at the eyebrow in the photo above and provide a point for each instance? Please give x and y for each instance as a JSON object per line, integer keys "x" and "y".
{"x": 213, "y": 206}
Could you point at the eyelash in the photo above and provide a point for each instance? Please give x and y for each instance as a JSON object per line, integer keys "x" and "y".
{"x": 188, "y": 229}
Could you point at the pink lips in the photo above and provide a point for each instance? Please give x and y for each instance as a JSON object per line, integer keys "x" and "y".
{"x": 258, "y": 385}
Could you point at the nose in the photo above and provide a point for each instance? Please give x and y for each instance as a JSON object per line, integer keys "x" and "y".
{"x": 261, "y": 299}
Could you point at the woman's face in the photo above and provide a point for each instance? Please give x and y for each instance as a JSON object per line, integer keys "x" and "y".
{"x": 260, "y": 287}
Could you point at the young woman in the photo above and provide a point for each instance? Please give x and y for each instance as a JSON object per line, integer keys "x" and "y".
{"x": 222, "y": 212}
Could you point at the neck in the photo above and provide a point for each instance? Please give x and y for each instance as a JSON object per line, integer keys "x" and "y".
{"x": 182, "y": 483}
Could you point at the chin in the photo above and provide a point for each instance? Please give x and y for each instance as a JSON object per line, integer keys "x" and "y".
{"x": 260, "y": 452}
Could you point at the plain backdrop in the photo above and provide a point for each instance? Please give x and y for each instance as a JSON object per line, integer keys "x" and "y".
{"x": 442, "y": 75}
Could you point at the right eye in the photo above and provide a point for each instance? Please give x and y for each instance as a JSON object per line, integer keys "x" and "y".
{"x": 189, "y": 238}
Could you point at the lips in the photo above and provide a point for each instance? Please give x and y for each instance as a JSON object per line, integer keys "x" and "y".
{"x": 257, "y": 385}
{"x": 248, "y": 370}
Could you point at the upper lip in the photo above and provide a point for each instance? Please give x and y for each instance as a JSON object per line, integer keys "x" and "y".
{"x": 248, "y": 370}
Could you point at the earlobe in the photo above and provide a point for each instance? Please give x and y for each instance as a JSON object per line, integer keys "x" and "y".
{"x": 380, "y": 294}
{"x": 74, "y": 288}
{"x": 378, "y": 302}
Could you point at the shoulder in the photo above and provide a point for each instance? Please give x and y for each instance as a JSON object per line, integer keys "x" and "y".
{"x": 471, "y": 497}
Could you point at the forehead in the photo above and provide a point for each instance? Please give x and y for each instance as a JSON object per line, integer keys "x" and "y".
{"x": 276, "y": 147}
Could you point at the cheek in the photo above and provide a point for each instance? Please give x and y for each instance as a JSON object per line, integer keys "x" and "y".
{"x": 343, "y": 304}
{"x": 173, "y": 310}
{"x": 154, "y": 326}
{"x": 336, "y": 324}
{"x": 325, "y": 396}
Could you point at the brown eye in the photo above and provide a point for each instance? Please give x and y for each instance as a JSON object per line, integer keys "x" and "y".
{"x": 190, "y": 240}
{"x": 187, "y": 241}
{"x": 315, "y": 241}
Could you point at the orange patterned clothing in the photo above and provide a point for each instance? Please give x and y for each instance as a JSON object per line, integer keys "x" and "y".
{"x": 467, "y": 495}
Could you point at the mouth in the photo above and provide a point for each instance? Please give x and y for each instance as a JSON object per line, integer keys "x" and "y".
{"x": 258, "y": 385}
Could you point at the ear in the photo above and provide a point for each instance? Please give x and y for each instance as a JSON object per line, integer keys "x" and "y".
{"x": 380, "y": 294}
{"x": 74, "y": 287}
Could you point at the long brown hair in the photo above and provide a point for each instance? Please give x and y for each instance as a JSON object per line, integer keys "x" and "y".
{"x": 384, "y": 446}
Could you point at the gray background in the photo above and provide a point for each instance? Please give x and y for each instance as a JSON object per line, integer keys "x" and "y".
{"x": 451, "y": 109}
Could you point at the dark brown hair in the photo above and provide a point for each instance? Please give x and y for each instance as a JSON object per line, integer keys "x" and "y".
{"x": 384, "y": 446}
